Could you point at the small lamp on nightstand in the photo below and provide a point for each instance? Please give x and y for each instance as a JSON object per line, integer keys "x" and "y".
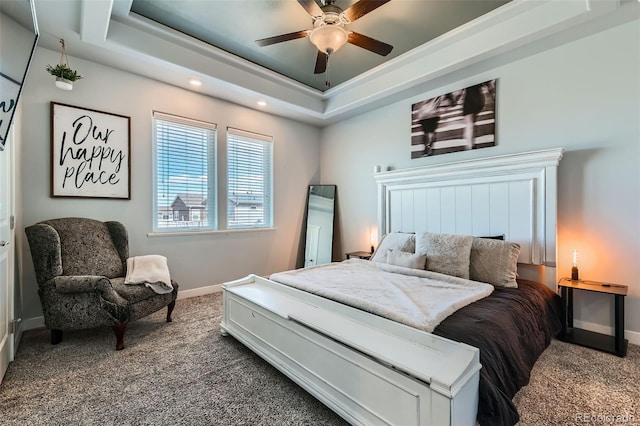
{"x": 574, "y": 268}
{"x": 373, "y": 237}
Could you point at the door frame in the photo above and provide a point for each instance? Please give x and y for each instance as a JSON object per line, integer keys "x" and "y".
{"x": 7, "y": 350}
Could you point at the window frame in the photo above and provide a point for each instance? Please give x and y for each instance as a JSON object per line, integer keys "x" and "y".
{"x": 212, "y": 170}
{"x": 265, "y": 142}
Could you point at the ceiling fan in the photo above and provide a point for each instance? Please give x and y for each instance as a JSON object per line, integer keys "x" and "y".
{"x": 328, "y": 33}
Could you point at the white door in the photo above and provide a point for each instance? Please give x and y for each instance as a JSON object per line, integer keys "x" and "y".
{"x": 6, "y": 256}
{"x": 311, "y": 249}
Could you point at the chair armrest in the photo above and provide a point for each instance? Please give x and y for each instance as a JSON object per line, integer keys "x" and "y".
{"x": 88, "y": 283}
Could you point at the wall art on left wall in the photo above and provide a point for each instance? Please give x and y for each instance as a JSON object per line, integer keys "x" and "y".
{"x": 456, "y": 121}
{"x": 90, "y": 153}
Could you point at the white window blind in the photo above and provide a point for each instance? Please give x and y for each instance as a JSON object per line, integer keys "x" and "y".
{"x": 184, "y": 174}
{"x": 249, "y": 180}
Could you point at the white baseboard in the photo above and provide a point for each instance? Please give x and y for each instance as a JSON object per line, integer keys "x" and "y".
{"x": 201, "y": 291}
{"x": 32, "y": 323}
{"x": 632, "y": 336}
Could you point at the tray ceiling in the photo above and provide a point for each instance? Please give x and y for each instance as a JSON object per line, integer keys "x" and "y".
{"x": 235, "y": 25}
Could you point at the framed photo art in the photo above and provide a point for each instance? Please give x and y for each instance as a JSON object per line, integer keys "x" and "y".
{"x": 90, "y": 153}
{"x": 456, "y": 121}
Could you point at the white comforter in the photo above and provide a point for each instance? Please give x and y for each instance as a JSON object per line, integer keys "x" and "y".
{"x": 417, "y": 298}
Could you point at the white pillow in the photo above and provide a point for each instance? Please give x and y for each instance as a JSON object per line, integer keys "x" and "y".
{"x": 494, "y": 262}
{"x": 406, "y": 259}
{"x": 394, "y": 241}
{"x": 446, "y": 253}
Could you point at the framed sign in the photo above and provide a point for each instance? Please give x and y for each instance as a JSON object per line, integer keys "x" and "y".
{"x": 18, "y": 40}
{"x": 90, "y": 153}
{"x": 9, "y": 91}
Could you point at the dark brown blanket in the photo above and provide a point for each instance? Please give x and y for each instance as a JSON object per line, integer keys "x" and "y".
{"x": 511, "y": 327}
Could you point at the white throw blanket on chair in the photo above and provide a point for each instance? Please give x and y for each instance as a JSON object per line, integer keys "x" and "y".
{"x": 151, "y": 270}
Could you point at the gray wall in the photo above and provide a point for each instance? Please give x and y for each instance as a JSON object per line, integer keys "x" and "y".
{"x": 583, "y": 96}
{"x": 194, "y": 261}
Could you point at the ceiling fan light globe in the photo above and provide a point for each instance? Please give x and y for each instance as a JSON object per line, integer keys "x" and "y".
{"x": 329, "y": 38}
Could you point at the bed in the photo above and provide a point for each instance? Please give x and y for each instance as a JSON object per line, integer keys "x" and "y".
{"x": 373, "y": 370}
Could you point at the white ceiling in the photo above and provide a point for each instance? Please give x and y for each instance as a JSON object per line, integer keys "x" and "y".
{"x": 107, "y": 32}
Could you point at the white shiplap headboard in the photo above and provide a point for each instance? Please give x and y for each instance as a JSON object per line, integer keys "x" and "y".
{"x": 514, "y": 195}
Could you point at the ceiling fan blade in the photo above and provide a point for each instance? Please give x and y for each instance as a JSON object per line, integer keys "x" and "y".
{"x": 370, "y": 44}
{"x": 361, "y": 8}
{"x": 311, "y": 7}
{"x": 321, "y": 63}
{"x": 282, "y": 37}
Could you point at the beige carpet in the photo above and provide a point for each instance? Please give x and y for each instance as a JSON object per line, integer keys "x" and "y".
{"x": 570, "y": 384}
{"x": 186, "y": 373}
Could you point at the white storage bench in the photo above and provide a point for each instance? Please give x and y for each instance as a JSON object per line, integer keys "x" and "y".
{"x": 369, "y": 370}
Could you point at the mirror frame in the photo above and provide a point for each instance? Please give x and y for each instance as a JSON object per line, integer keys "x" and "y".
{"x": 306, "y": 222}
{"x": 12, "y": 111}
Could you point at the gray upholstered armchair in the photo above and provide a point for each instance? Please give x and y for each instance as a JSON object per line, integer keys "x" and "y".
{"x": 80, "y": 267}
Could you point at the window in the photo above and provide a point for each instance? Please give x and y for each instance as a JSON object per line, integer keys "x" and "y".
{"x": 184, "y": 174}
{"x": 249, "y": 180}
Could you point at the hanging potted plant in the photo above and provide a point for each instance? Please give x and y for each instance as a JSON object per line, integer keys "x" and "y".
{"x": 65, "y": 76}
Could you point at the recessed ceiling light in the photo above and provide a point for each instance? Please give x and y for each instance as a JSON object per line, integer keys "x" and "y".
{"x": 262, "y": 103}
{"x": 195, "y": 81}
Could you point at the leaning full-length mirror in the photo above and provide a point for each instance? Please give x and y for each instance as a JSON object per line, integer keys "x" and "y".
{"x": 18, "y": 39}
{"x": 319, "y": 232}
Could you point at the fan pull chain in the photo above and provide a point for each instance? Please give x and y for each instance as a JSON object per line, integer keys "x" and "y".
{"x": 327, "y": 81}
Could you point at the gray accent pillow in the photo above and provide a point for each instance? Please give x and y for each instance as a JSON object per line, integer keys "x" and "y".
{"x": 394, "y": 241}
{"x": 406, "y": 259}
{"x": 446, "y": 253}
{"x": 494, "y": 262}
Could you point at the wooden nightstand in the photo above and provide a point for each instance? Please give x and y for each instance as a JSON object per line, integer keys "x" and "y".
{"x": 359, "y": 255}
{"x": 616, "y": 344}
